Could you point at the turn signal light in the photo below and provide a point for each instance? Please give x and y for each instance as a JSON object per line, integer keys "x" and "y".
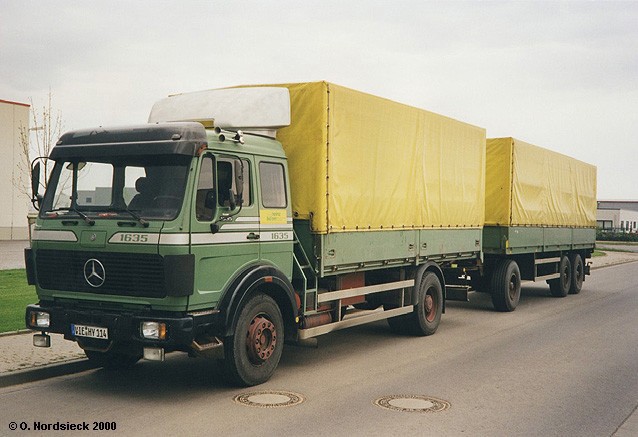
{"x": 40, "y": 319}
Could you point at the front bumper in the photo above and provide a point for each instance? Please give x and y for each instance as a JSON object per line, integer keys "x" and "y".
{"x": 124, "y": 328}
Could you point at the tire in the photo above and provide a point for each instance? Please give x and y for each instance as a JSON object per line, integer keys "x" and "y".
{"x": 578, "y": 273}
{"x": 506, "y": 285}
{"x": 113, "y": 360}
{"x": 560, "y": 286}
{"x": 425, "y": 318}
{"x": 253, "y": 352}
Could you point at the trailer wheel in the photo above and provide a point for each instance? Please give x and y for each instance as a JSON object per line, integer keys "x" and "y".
{"x": 425, "y": 318}
{"x": 112, "y": 360}
{"x": 253, "y": 352}
{"x": 559, "y": 287}
{"x": 578, "y": 273}
{"x": 506, "y": 285}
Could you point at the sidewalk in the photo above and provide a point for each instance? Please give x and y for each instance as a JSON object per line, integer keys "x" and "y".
{"x": 612, "y": 259}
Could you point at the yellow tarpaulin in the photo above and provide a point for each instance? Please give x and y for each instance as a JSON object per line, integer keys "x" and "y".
{"x": 359, "y": 162}
{"x": 527, "y": 185}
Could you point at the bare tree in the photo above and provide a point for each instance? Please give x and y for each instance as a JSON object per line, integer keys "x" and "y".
{"x": 37, "y": 141}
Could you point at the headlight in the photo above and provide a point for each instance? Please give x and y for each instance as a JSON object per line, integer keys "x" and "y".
{"x": 40, "y": 319}
{"x": 153, "y": 330}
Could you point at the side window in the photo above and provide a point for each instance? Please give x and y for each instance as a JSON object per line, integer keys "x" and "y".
{"x": 273, "y": 185}
{"x": 205, "y": 198}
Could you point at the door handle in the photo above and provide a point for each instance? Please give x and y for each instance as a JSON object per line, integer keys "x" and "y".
{"x": 252, "y": 236}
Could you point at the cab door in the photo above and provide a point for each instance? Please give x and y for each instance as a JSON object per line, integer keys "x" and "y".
{"x": 224, "y": 239}
{"x": 275, "y": 214}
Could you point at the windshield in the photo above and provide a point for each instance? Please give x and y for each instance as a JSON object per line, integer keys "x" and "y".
{"x": 150, "y": 187}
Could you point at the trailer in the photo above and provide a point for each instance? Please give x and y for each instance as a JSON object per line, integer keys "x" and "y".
{"x": 540, "y": 221}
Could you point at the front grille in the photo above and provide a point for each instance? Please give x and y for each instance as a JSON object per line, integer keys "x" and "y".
{"x": 125, "y": 274}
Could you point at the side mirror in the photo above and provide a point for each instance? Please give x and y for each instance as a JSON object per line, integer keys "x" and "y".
{"x": 231, "y": 200}
{"x": 35, "y": 185}
{"x": 239, "y": 180}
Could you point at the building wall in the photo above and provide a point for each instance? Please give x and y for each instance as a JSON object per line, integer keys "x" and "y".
{"x": 620, "y": 220}
{"x": 13, "y": 203}
{"x": 629, "y": 205}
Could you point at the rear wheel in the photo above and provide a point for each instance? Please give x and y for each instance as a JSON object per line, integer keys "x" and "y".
{"x": 425, "y": 318}
{"x": 559, "y": 287}
{"x": 506, "y": 285}
{"x": 253, "y": 353}
{"x": 578, "y": 274}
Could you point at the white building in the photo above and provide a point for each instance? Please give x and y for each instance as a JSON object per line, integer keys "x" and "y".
{"x": 14, "y": 204}
{"x": 617, "y": 215}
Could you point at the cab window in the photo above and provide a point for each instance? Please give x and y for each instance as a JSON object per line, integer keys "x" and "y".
{"x": 273, "y": 185}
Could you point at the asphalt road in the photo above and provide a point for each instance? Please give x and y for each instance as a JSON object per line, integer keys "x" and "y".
{"x": 565, "y": 367}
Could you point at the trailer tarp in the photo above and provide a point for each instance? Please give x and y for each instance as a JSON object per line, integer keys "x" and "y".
{"x": 359, "y": 162}
{"x": 527, "y": 185}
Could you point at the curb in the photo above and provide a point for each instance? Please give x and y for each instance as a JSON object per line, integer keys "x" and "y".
{"x": 45, "y": 372}
{"x": 18, "y": 332}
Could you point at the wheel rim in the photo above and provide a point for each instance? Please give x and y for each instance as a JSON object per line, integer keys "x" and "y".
{"x": 565, "y": 276}
{"x": 430, "y": 305}
{"x": 261, "y": 339}
{"x": 512, "y": 287}
{"x": 578, "y": 273}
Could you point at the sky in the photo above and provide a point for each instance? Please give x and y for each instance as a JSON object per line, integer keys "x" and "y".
{"x": 561, "y": 75}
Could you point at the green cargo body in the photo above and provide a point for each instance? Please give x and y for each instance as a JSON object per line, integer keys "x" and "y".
{"x": 515, "y": 240}
{"x": 357, "y": 251}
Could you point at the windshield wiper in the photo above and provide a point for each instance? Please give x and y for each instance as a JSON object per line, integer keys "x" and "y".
{"x": 139, "y": 219}
{"x": 85, "y": 217}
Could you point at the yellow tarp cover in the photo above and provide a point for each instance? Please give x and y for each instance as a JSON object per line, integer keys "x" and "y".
{"x": 527, "y": 185}
{"x": 359, "y": 162}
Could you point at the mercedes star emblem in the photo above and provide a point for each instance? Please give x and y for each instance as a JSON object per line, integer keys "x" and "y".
{"x": 94, "y": 273}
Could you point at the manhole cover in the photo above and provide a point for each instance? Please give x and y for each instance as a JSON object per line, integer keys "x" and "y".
{"x": 269, "y": 399}
{"x": 413, "y": 403}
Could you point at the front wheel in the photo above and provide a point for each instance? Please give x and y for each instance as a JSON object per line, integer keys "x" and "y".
{"x": 506, "y": 285}
{"x": 253, "y": 352}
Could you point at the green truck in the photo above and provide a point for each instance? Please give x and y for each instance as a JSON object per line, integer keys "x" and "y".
{"x": 239, "y": 219}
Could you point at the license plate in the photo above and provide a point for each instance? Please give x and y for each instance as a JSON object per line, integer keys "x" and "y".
{"x": 90, "y": 331}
